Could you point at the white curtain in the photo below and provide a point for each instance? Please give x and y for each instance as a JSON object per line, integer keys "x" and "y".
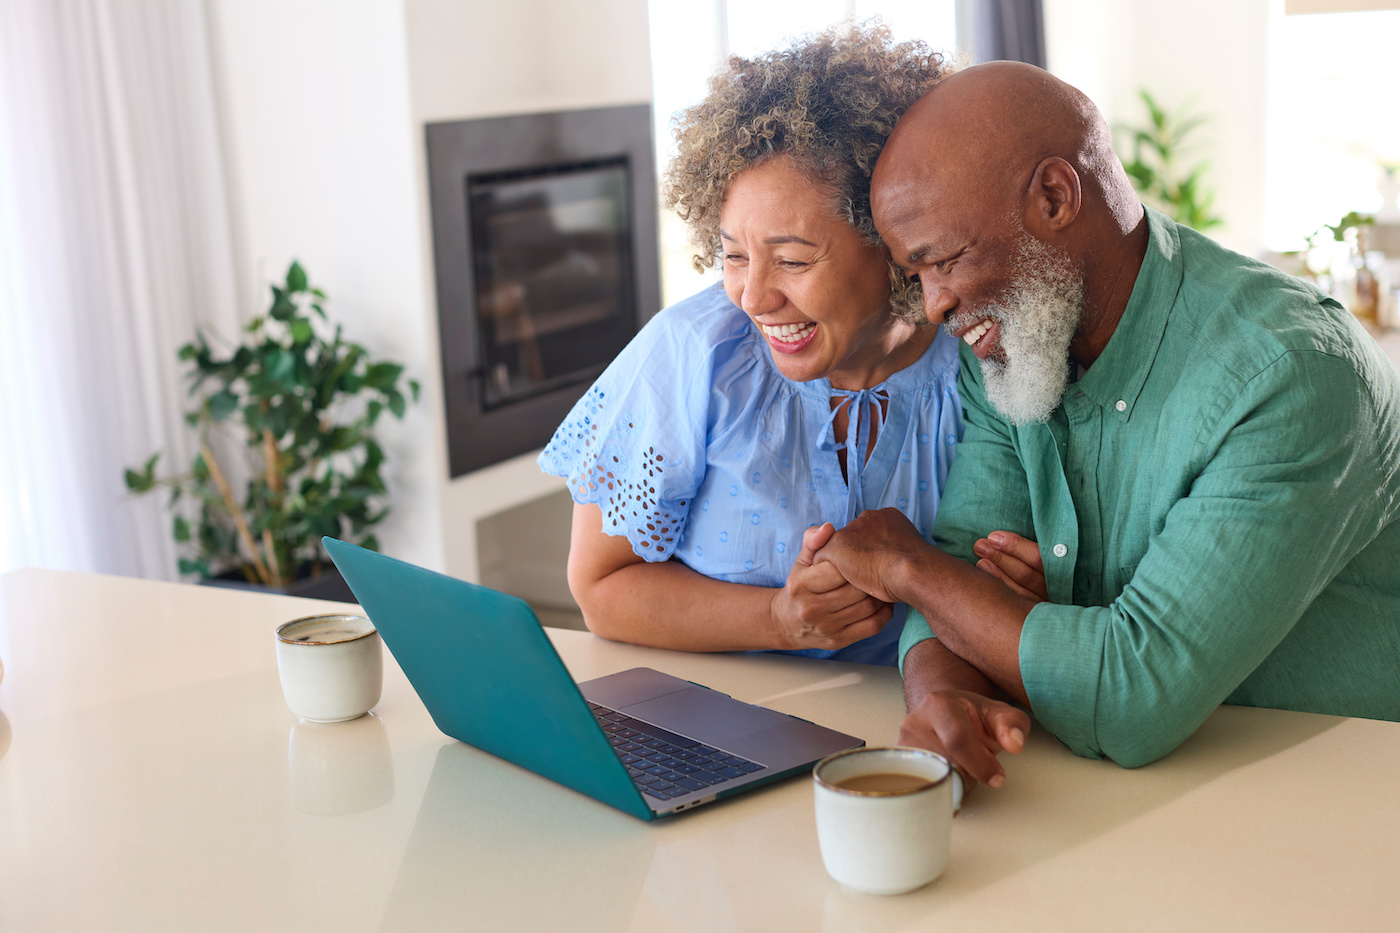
{"x": 115, "y": 242}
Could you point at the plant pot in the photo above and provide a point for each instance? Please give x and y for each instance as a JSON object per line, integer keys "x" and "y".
{"x": 328, "y": 584}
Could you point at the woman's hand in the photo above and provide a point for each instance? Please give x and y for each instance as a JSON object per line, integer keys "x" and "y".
{"x": 1015, "y": 561}
{"x": 817, "y": 608}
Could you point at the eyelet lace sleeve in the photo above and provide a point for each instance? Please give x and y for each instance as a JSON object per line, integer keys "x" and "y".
{"x": 607, "y": 463}
{"x": 634, "y": 445}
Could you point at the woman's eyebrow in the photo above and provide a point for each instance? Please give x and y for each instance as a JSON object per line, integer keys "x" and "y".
{"x": 773, "y": 240}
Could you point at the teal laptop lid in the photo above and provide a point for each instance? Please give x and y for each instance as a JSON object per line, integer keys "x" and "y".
{"x": 487, "y": 673}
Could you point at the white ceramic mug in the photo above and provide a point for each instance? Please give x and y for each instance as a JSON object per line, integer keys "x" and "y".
{"x": 331, "y": 666}
{"x": 890, "y": 839}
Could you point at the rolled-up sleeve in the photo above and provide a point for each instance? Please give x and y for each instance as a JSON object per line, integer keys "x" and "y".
{"x": 1284, "y": 498}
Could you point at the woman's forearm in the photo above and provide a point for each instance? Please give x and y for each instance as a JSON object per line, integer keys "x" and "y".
{"x": 663, "y": 604}
{"x": 668, "y": 605}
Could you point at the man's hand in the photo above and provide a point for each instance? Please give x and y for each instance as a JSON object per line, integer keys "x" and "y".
{"x": 969, "y": 730}
{"x": 866, "y": 550}
{"x": 1015, "y": 561}
{"x": 818, "y": 608}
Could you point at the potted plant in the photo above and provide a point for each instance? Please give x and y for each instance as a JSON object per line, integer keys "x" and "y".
{"x": 1159, "y": 147}
{"x": 301, "y": 404}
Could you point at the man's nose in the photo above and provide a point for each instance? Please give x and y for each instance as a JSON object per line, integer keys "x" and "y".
{"x": 760, "y": 294}
{"x": 938, "y": 303}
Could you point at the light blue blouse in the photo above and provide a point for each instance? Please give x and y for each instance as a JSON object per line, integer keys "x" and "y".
{"x": 697, "y": 448}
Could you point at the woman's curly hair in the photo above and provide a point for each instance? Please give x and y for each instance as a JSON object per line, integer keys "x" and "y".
{"x": 829, "y": 103}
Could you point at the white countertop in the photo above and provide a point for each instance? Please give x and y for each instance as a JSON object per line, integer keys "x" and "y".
{"x": 151, "y": 778}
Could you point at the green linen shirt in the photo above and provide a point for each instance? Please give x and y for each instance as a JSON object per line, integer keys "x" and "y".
{"x": 1215, "y": 502}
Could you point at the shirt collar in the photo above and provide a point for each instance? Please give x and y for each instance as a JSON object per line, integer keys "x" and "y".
{"x": 1116, "y": 378}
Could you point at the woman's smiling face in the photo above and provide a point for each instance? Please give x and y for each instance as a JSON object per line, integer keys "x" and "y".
{"x": 815, "y": 288}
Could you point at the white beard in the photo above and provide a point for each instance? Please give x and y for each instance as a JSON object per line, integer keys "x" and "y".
{"x": 1037, "y": 316}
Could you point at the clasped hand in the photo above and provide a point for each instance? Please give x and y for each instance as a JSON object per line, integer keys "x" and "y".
{"x": 967, "y": 727}
{"x": 818, "y": 608}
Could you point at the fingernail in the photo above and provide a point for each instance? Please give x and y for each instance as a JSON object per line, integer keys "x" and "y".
{"x": 981, "y": 548}
{"x": 1017, "y": 737}
{"x": 997, "y": 538}
{"x": 997, "y": 780}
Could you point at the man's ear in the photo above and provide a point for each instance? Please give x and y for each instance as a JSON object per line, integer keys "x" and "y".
{"x": 1054, "y": 196}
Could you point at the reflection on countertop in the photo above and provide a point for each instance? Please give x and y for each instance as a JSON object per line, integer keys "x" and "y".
{"x": 338, "y": 768}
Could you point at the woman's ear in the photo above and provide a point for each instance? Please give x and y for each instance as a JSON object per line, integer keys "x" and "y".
{"x": 1055, "y": 196}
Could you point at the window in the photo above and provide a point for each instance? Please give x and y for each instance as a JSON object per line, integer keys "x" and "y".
{"x": 1333, "y": 84}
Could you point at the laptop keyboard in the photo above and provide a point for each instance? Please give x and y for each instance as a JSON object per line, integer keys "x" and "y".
{"x": 664, "y": 764}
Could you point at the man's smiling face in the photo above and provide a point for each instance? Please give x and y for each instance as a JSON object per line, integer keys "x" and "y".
{"x": 1014, "y": 299}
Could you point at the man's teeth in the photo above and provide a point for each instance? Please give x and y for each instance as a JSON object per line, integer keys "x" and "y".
{"x": 788, "y": 333}
{"x": 976, "y": 333}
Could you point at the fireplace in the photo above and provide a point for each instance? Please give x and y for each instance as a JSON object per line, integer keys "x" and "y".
{"x": 544, "y": 240}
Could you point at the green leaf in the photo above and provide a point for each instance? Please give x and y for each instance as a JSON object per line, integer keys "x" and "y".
{"x": 396, "y": 403}
{"x": 200, "y": 567}
{"x": 145, "y": 480}
{"x": 383, "y": 375}
{"x": 222, "y": 404}
{"x": 414, "y": 387}
{"x": 278, "y": 420}
{"x": 181, "y": 530}
{"x": 283, "y": 308}
{"x": 296, "y": 278}
{"x": 301, "y": 331}
{"x": 281, "y": 366}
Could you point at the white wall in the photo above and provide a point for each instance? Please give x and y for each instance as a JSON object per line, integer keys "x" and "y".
{"x": 1212, "y": 53}
{"x": 321, "y": 144}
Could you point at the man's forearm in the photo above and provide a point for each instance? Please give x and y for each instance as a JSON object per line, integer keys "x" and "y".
{"x": 930, "y": 666}
{"x": 975, "y": 616}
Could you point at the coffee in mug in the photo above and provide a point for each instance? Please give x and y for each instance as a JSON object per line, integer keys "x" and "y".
{"x": 884, "y": 817}
{"x": 892, "y": 782}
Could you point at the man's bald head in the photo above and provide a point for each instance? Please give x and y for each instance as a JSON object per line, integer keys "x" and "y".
{"x": 1000, "y": 191}
{"x": 986, "y": 129}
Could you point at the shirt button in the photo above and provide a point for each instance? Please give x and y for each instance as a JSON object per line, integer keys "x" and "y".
{"x": 1121, "y": 405}
{"x": 1061, "y": 550}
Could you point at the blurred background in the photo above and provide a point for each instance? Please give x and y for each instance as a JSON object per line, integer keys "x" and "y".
{"x": 163, "y": 162}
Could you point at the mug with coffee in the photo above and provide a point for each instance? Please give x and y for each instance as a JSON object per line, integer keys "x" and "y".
{"x": 331, "y": 666}
{"x": 884, "y": 817}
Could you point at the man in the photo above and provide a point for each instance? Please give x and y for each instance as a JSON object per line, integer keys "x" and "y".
{"x": 1205, "y": 449}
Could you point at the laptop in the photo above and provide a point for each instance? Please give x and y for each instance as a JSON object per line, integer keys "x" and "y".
{"x": 645, "y": 742}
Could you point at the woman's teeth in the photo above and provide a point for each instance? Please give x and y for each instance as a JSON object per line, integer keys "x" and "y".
{"x": 788, "y": 333}
{"x": 976, "y": 333}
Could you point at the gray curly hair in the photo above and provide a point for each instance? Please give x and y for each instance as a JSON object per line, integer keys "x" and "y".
{"x": 829, "y": 103}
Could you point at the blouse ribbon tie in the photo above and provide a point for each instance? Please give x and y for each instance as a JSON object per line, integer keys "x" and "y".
{"x": 858, "y": 403}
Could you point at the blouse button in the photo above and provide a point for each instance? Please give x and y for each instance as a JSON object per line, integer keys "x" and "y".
{"x": 1121, "y": 405}
{"x": 1061, "y": 550}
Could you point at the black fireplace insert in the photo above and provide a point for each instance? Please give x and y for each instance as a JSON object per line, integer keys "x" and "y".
{"x": 544, "y": 237}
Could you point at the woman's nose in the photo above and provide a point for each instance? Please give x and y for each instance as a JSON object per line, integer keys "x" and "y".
{"x": 760, "y": 293}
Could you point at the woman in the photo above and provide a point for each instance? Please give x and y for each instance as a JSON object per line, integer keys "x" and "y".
{"x": 801, "y": 391}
